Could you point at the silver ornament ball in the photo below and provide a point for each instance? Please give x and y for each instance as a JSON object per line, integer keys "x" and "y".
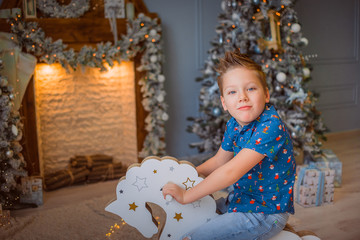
{"x": 9, "y": 153}
{"x": 306, "y": 72}
{"x": 281, "y": 77}
{"x": 216, "y": 111}
{"x": 278, "y": 88}
{"x": 295, "y": 27}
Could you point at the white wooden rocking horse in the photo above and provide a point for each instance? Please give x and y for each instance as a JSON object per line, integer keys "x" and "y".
{"x": 143, "y": 184}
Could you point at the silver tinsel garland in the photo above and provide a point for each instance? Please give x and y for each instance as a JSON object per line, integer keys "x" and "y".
{"x": 143, "y": 36}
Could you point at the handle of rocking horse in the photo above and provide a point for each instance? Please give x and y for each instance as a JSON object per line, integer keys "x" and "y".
{"x": 168, "y": 198}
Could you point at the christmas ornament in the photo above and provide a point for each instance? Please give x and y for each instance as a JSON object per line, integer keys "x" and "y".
{"x": 235, "y": 16}
{"x": 152, "y": 33}
{"x": 161, "y": 78}
{"x": 295, "y": 27}
{"x": 9, "y": 153}
{"x": 14, "y": 130}
{"x": 153, "y": 58}
{"x": 216, "y": 111}
{"x": 281, "y": 77}
{"x": 160, "y": 98}
{"x": 304, "y": 41}
{"x": 257, "y": 49}
{"x": 165, "y": 117}
{"x": 306, "y": 72}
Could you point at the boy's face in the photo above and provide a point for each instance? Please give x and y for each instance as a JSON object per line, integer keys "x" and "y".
{"x": 243, "y": 95}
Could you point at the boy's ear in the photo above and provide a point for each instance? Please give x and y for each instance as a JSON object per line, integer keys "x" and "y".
{"x": 267, "y": 94}
{"x": 223, "y": 103}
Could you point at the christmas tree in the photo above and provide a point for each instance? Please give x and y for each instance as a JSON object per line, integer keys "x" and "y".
{"x": 11, "y": 160}
{"x": 269, "y": 32}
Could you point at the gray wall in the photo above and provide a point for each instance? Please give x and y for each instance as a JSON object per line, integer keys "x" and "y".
{"x": 188, "y": 27}
{"x": 331, "y": 26}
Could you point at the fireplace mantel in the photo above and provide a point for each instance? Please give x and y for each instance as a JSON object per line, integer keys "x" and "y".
{"x": 91, "y": 29}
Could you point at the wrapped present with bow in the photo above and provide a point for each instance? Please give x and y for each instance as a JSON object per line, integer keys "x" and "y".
{"x": 327, "y": 159}
{"x": 314, "y": 186}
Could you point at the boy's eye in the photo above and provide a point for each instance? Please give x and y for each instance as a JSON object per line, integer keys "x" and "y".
{"x": 231, "y": 92}
{"x": 251, "y": 89}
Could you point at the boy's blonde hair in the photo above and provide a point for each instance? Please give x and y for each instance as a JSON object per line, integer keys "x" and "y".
{"x": 235, "y": 59}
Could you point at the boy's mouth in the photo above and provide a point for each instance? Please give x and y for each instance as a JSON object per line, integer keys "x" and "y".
{"x": 244, "y": 108}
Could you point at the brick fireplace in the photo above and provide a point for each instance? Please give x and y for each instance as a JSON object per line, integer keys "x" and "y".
{"x": 85, "y": 112}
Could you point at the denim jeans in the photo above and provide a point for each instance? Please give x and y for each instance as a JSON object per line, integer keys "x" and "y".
{"x": 238, "y": 226}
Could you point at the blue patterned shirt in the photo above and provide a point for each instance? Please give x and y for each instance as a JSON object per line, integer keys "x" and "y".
{"x": 268, "y": 186}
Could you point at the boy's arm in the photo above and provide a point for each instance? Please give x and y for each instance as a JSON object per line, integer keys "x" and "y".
{"x": 219, "y": 179}
{"x": 220, "y": 158}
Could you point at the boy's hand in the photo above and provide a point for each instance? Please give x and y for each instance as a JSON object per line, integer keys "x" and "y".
{"x": 175, "y": 191}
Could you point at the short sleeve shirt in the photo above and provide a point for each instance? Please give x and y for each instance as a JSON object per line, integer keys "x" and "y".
{"x": 268, "y": 186}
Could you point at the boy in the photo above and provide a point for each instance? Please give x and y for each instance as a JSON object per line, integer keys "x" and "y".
{"x": 256, "y": 156}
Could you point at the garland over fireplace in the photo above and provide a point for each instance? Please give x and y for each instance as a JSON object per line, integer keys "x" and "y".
{"x": 89, "y": 30}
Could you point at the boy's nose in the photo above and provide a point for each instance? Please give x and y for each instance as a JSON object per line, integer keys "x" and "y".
{"x": 243, "y": 97}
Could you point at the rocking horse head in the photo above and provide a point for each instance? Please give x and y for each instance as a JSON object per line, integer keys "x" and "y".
{"x": 143, "y": 184}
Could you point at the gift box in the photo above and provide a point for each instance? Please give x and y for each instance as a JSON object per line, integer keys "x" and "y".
{"x": 32, "y": 190}
{"x": 314, "y": 185}
{"x": 4, "y": 218}
{"x": 328, "y": 160}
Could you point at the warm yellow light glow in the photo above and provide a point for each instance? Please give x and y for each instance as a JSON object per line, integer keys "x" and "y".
{"x": 47, "y": 69}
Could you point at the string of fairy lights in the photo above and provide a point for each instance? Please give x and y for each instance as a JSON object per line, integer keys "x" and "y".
{"x": 116, "y": 227}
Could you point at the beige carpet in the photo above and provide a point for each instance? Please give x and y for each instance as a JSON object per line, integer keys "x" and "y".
{"x": 83, "y": 220}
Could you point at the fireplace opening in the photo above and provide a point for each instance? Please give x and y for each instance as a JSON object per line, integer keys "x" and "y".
{"x": 85, "y": 112}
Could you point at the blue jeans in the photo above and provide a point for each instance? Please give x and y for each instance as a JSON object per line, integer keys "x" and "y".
{"x": 238, "y": 226}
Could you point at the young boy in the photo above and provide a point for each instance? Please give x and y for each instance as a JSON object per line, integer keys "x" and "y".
{"x": 256, "y": 156}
